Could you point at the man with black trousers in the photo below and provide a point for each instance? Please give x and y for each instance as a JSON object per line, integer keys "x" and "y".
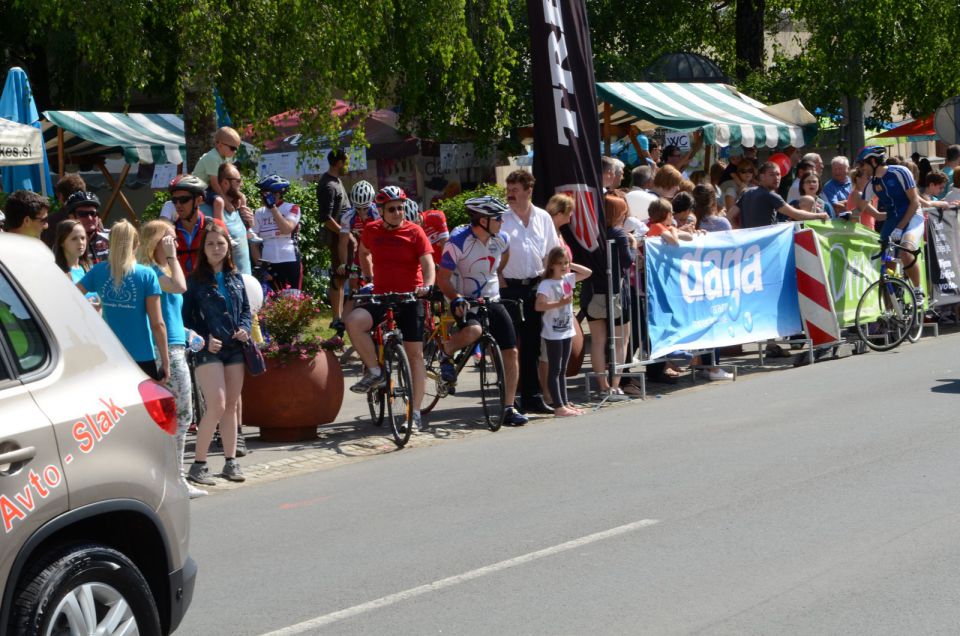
{"x": 332, "y": 202}
{"x": 531, "y": 235}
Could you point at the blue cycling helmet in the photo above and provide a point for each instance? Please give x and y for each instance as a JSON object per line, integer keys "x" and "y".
{"x": 871, "y": 151}
{"x": 273, "y": 183}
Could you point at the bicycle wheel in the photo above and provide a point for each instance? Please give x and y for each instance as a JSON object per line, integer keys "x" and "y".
{"x": 434, "y": 388}
{"x": 375, "y": 402}
{"x": 398, "y": 392}
{"x": 885, "y": 314}
{"x": 492, "y": 391}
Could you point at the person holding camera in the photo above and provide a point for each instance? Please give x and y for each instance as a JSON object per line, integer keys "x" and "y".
{"x": 277, "y": 223}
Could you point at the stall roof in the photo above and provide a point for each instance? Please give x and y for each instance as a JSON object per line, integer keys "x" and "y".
{"x": 726, "y": 116}
{"x": 921, "y": 128}
{"x": 140, "y": 138}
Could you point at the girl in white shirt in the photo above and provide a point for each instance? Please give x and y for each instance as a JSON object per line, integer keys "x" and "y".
{"x": 555, "y": 300}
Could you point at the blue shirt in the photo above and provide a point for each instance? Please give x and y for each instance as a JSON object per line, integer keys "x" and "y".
{"x": 171, "y": 306}
{"x": 125, "y": 308}
{"x": 238, "y": 232}
{"x": 223, "y": 290}
{"x": 833, "y": 191}
{"x": 891, "y": 189}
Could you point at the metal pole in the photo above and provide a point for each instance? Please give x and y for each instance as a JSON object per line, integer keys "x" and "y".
{"x": 611, "y": 323}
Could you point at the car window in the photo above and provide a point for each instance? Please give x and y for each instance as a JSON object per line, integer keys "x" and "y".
{"x": 20, "y": 331}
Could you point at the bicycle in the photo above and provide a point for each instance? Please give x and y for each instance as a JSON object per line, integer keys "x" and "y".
{"x": 890, "y": 310}
{"x": 395, "y": 397}
{"x": 490, "y": 365}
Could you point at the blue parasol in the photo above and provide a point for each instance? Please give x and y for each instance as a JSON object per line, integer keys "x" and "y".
{"x": 16, "y": 104}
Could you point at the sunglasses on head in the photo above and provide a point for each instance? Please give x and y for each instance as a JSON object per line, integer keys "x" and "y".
{"x": 182, "y": 200}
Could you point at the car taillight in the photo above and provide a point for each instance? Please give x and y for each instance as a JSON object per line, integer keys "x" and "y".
{"x": 160, "y": 405}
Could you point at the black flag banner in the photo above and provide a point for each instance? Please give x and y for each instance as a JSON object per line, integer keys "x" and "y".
{"x": 942, "y": 257}
{"x": 566, "y": 144}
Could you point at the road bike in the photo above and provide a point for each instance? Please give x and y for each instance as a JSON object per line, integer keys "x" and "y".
{"x": 489, "y": 365}
{"x": 890, "y": 310}
{"x": 395, "y": 397}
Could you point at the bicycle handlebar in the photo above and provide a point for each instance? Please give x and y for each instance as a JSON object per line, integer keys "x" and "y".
{"x": 392, "y": 298}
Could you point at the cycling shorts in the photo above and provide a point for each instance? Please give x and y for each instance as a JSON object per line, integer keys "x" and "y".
{"x": 409, "y": 317}
{"x": 912, "y": 235}
{"x": 501, "y": 327}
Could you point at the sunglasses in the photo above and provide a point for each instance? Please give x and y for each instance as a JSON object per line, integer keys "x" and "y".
{"x": 86, "y": 214}
{"x": 233, "y": 148}
{"x": 181, "y": 200}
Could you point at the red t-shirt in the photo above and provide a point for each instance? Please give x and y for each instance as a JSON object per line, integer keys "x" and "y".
{"x": 396, "y": 256}
{"x": 435, "y": 226}
{"x": 656, "y": 229}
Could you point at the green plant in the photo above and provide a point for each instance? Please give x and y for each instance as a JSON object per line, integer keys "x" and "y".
{"x": 286, "y": 321}
{"x": 455, "y": 210}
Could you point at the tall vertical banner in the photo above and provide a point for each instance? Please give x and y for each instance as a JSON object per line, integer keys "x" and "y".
{"x": 722, "y": 289}
{"x": 943, "y": 245}
{"x": 566, "y": 150}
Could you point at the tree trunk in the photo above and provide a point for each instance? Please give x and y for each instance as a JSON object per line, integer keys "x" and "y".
{"x": 199, "y": 122}
{"x": 854, "y": 121}
{"x": 749, "y": 36}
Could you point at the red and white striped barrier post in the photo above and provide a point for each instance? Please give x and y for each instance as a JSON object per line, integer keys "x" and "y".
{"x": 816, "y": 304}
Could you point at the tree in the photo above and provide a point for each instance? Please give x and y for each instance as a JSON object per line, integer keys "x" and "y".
{"x": 444, "y": 65}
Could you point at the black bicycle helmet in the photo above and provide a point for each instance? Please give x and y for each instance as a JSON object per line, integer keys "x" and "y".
{"x": 80, "y": 199}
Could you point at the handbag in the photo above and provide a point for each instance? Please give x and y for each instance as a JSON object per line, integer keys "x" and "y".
{"x": 253, "y": 358}
{"x": 597, "y": 309}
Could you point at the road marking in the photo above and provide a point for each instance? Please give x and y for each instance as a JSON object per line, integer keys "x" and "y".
{"x": 405, "y": 595}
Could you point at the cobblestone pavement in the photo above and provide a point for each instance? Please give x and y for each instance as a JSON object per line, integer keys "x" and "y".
{"x": 354, "y": 438}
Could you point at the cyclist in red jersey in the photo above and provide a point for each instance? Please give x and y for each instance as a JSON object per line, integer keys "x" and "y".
{"x": 402, "y": 262}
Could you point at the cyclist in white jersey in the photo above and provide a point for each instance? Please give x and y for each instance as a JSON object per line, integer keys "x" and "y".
{"x": 477, "y": 253}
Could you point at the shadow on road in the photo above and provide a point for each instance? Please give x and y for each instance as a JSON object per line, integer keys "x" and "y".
{"x": 950, "y": 386}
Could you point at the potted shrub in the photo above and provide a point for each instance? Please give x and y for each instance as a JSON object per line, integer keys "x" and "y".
{"x": 303, "y": 385}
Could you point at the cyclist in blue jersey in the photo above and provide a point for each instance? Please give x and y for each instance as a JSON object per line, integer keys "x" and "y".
{"x": 475, "y": 255}
{"x": 899, "y": 199}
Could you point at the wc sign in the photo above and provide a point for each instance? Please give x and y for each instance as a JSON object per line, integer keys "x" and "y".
{"x": 680, "y": 140}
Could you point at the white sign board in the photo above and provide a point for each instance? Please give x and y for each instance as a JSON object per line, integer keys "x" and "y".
{"x": 678, "y": 139}
{"x": 163, "y": 174}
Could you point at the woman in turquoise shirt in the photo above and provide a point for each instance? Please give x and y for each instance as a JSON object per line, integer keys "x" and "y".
{"x": 130, "y": 295}
{"x": 158, "y": 251}
{"x": 70, "y": 249}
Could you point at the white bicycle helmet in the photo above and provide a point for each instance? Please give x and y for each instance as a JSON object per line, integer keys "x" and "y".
{"x": 361, "y": 194}
{"x": 411, "y": 211}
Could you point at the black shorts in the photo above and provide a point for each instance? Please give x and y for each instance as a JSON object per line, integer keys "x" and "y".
{"x": 501, "y": 327}
{"x": 285, "y": 274}
{"x": 409, "y": 317}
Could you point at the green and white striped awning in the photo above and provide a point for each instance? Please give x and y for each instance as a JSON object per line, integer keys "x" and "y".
{"x": 140, "y": 138}
{"x": 726, "y": 116}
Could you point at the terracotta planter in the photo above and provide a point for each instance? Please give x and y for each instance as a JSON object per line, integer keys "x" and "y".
{"x": 292, "y": 398}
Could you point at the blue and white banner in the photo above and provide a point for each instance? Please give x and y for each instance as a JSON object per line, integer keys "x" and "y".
{"x": 722, "y": 289}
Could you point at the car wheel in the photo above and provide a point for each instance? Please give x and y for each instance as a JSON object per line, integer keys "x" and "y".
{"x": 85, "y": 589}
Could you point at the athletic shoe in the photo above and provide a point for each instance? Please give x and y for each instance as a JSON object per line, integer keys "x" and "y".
{"x": 513, "y": 417}
{"x": 253, "y": 238}
{"x": 448, "y": 372}
{"x": 200, "y": 474}
{"x": 719, "y": 374}
{"x": 193, "y": 492}
{"x": 417, "y": 423}
{"x": 369, "y": 382}
{"x": 232, "y": 472}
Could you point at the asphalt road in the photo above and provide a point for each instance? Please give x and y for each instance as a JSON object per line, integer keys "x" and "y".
{"x": 821, "y": 500}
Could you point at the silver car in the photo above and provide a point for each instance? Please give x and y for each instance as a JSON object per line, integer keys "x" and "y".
{"x": 94, "y": 521}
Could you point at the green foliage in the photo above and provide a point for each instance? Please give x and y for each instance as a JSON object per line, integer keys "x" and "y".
{"x": 454, "y": 209}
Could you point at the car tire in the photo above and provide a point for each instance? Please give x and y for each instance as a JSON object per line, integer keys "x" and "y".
{"x": 49, "y": 595}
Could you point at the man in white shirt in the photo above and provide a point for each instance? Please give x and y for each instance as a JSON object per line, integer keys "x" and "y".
{"x": 612, "y": 170}
{"x": 531, "y": 235}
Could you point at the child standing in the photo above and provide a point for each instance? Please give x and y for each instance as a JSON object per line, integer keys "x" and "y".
{"x": 555, "y": 300}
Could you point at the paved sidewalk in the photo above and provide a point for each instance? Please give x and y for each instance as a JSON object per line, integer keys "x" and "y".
{"x": 353, "y": 437}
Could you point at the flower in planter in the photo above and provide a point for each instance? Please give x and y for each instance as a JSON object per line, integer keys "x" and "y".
{"x": 284, "y": 320}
